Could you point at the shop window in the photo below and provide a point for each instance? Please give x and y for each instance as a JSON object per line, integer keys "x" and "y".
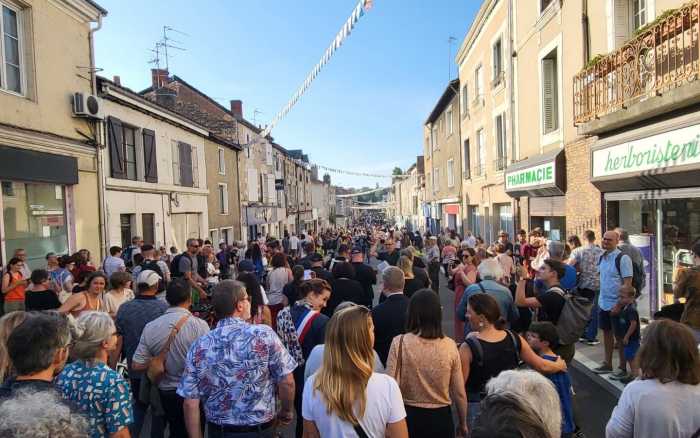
{"x": 34, "y": 218}
{"x": 148, "y": 227}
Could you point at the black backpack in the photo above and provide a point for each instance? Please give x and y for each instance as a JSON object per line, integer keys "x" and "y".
{"x": 152, "y": 265}
{"x": 638, "y": 275}
{"x": 175, "y": 265}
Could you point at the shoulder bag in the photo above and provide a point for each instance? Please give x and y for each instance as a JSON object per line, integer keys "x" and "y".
{"x": 156, "y": 368}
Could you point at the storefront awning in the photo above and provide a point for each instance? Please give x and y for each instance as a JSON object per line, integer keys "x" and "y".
{"x": 541, "y": 175}
{"x": 33, "y": 166}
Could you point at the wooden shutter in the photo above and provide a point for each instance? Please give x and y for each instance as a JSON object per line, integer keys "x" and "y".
{"x": 185, "y": 152}
{"x": 252, "y": 185}
{"x": 149, "y": 156}
{"x": 621, "y": 18}
{"x": 550, "y": 117}
{"x": 195, "y": 166}
{"x": 116, "y": 144}
{"x": 467, "y": 160}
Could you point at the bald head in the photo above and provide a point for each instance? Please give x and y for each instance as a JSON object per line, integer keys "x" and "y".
{"x": 393, "y": 279}
{"x": 610, "y": 240}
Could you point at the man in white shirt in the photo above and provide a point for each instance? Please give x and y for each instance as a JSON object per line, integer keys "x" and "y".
{"x": 113, "y": 262}
{"x": 293, "y": 244}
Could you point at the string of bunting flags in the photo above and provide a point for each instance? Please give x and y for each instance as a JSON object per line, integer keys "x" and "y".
{"x": 352, "y": 195}
{"x": 359, "y": 11}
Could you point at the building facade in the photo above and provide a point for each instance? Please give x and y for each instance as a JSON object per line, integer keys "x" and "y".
{"x": 48, "y": 160}
{"x": 156, "y": 171}
{"x": 442, "y": 152}
{"x": 486, "y": 120}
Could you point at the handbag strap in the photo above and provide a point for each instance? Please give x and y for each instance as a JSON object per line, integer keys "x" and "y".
{"x": 399, "y": 361}
{"x": 360, "y": 431}
{"x": 173, "y": 333}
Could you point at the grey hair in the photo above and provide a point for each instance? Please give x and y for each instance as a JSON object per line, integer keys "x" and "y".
{"x": 91, "y": 330}
{"x": 226, "y": 296}
{"x": 490, "y": 269}
{"x": 393, "y": 279}
{"x": 40, "y": 413}
{"x": 344, "y": 305}
{"x": 555, "y": 249}
{"x": 533, "y": 389}
{"x": 624, "y": 234}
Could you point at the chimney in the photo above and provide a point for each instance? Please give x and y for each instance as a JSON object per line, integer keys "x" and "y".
{"x": 117, "y": 80}
{"x": 237, "y": 109}
{"x": 159, "y": 77}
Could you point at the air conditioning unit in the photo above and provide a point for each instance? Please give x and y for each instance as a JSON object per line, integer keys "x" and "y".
{"x": 87, "y": 105}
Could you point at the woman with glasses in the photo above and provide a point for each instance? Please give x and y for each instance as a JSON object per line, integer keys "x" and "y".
{"x": 345, "y": 398}
{"x": 96, "y": 389}
{"x": 465, "y": 275}
{"x": 428, "y": 391}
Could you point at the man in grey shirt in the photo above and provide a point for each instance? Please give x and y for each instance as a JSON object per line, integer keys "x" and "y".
{"x": 632, "y": 251}
{"x": 188, "y": 267}
{"x": 154, "y": 339}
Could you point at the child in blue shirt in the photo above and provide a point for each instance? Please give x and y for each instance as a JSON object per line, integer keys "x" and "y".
{"x": 542, "y": 337}
{"x": 625, "y": 321}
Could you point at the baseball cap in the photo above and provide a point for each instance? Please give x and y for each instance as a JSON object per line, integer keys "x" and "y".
{"x": 246, "y": 266}
{"x": 151, "y": 278}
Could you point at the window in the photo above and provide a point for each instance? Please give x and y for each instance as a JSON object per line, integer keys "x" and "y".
{"x": 467, "y": 165}
{"x": 550, "y": 93}
{"x": 501, "y": 143}
{"x": 448, "y": 116}
{"x": 434, "y": 137}
{"x": 185, "y": 167}
{"x": 497, "y": 62}
{"x": 129, "y": 148}
{"x": 479, "y": 84}
{"x": 148, "y": 228}
{"x": 450, "y": 173}
{"x": 465, "y": 100}
{"x": 480, "y": 153}
{"x": 10, "y": 50}
{"x": 436, "y": 180}
{"x": 126, "y": 225}
{"x": 639, "y": 10}
{"x": 227, "y": 235}
{"x": 128, "y": 158}
{"x": 222, "y": 162}
{"x": 223, "y": 198}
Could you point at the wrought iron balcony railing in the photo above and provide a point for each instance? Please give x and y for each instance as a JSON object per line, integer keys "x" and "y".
{"x": 662, "y": 56}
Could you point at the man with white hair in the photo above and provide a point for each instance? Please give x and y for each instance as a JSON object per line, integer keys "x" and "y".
{"x": 490, "y": 273}
{"x": 390, "y": 316}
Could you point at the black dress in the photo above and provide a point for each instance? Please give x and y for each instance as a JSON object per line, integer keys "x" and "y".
{"x": 345, "y": 289}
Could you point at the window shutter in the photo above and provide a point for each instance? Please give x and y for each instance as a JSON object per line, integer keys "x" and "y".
{"x": 185, "y": 152}
{"x": 467, "y": 160}
{"x": 176, "y": 162}
{"x": 621, "y": 17}
{"x": 271, "y": 192}
{"x": 195, "y": 167}
{"x": 252, "y": 185}
{"x": 149, "y": 156}
{"x": 549, "y": 95}
{"x": 115, "y": 140}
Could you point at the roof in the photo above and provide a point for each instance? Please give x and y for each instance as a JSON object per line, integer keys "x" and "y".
{"x": 242, "y": 120}
{"x": 134, "y": 95}
{"x": 450, "y": 92}
{"x": 102, "y": 10}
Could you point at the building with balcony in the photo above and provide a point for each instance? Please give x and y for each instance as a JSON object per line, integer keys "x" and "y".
{"x": 639, "y": 102}
{"x": 486, "y": 120}
{"x": 51, "y": 187}
{"x": 442, "y": 152}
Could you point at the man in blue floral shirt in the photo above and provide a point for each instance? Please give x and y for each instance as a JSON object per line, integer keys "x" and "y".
{"x": 235, "y": 371}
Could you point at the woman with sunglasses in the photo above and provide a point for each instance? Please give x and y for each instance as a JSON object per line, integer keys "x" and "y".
{"x": 464, "y": 275}
{"x": 345, "y": 397}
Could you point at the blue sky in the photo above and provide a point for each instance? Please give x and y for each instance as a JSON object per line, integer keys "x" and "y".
{"x": 364, "y": 112}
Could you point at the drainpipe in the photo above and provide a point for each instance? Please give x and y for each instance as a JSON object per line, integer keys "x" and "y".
{"x": 99, "y": 145}
{"x": 513, "y": 102}
{"x": 585, "y": 33}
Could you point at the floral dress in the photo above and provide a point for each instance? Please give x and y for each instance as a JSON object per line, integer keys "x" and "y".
{"x": 100, "y": 393}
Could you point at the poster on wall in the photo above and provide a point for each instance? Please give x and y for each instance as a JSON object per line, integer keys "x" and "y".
{"x": 648, "y": 302}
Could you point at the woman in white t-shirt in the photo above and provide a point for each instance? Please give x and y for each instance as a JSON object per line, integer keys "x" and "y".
{"x": 345, "y": 399}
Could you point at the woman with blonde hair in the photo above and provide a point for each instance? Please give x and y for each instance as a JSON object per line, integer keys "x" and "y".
{"x": 345, "y": 395}
{"x": 98, "y": 391}
{"x": 411, "y": 283}
{"x": 8, "y": 323}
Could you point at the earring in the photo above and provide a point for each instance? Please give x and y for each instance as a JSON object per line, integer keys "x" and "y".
{"x": 481, "y": 325}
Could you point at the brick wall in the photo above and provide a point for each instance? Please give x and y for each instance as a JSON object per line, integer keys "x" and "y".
{"x": 583, "y": 199}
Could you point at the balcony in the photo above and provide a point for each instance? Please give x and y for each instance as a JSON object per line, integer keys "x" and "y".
{"x": 500, "y": 164}
{"x": 661, "y": 57}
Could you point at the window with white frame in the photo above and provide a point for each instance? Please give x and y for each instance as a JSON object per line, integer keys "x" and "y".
{"x": 11, "y": 74}
{"x": 479, "y": 83}
{"x": 480, "y": 152}
{"x": 434, "y": 137}
{"x": 639, "y": 13}
{"x": 185, "y": 166}
{"x": 497, "y": 62}
{"x": 448, "y": 116}
{"x": 550, "y": 93}
{"x": 436, "y": 180}
{"x": 451, "y": 173}
{"x": 222, "y": 162}
{"x": 465, "y": 99}
{"x": 467, "y": 160}
{"x": 501, "y": 142}
{"x": 223, "y": 198}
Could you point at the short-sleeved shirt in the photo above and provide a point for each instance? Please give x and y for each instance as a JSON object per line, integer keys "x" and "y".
{"x": 234, "y": 371}
{"x": 113, "y": 264}
{"x": 155, "y": 335}
{"x": 131, "y": 319}
{"x": 100, "y": 393}
{"x": 384, "y": 406}
{"x": 562, "y": 383}
{"x": 586, "y": 258}
{"x": 112, "y": 300}
{"x": 41, "y": 300}
{"x": 188, "y": 264}
{"x": 624, "y": 319}
{"x": 552, "y": 304}
{"x": 610, "y": 279}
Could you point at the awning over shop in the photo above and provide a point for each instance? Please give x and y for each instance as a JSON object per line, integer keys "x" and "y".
{"x": 541, "y": 175}
{"x": 33, "y": 166}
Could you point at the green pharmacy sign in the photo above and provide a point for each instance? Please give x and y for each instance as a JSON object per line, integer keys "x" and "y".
{"x": 543, "y": 174}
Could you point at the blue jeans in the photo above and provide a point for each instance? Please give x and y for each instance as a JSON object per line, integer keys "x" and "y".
{"x": 591, "y": 330}
{"x": 473, "y": 409}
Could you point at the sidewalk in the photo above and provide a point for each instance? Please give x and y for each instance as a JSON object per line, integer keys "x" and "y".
{"x": 591, "y": 356}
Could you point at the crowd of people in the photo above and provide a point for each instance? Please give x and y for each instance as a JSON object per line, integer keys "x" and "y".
{"x": 255, "y": 337}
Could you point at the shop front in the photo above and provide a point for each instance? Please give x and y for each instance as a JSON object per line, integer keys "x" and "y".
{"x": 542, "y": 179}
{"x": 452, "y": 216}
{"x": 36, "y": 199}
{"x": 650, "y": 180}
